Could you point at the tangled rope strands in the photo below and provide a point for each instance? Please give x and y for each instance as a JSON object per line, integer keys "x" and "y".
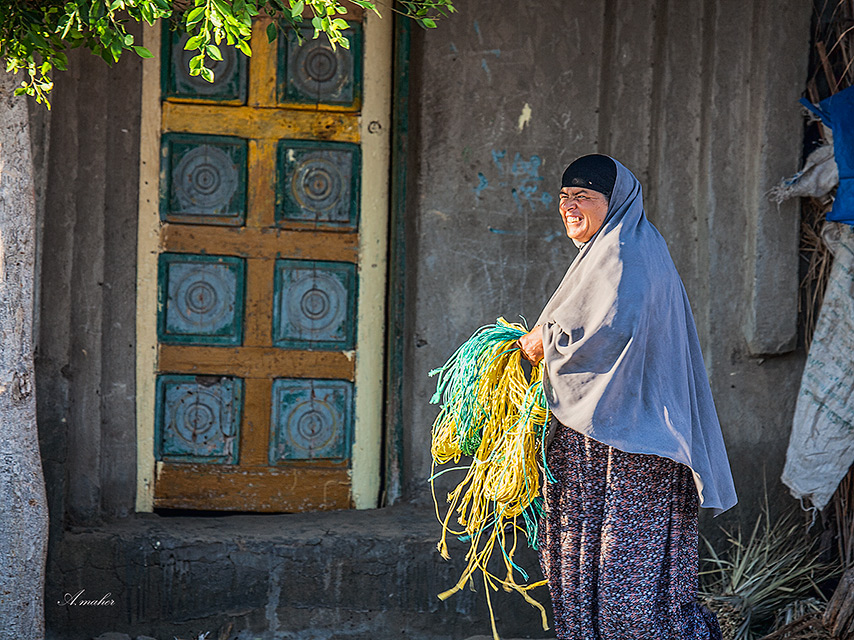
{"x": 493, "y": 413}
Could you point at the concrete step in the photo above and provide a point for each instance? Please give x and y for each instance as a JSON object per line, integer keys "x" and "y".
{"x": 321, "y": 576}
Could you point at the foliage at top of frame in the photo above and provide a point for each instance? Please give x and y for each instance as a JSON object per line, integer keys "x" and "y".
{"x": 35, "y": 34}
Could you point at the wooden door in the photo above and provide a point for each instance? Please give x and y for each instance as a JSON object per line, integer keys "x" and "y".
{"x": 264, "y": 343}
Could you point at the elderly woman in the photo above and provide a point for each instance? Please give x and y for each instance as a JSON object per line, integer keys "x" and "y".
{"x": 636, "y": 443}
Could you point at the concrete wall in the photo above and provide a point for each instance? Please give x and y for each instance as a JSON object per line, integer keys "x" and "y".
{"x": 698, "y": 98}
{"x": 85, "y": 347}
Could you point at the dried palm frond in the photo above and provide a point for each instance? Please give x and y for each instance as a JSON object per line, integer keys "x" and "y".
{"x": 759, "y": 575}
{"x": 798, "y": 611}
{"x": 833, "y": 63}
{"x": 807, "y": 627}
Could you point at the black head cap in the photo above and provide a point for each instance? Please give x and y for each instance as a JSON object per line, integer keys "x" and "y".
{"x": 596, "y": 172}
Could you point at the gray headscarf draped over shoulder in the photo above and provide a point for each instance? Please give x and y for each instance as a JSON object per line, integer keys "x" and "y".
{"x": 622, "y": 353}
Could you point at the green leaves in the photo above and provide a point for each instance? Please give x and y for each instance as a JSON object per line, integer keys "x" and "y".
{"x": 426, "y": 12}
{"x": 243, "y": 45}
{"x": 209, "y": 23}
{"x": 194, "y": 42}
{"x": 194, "y": 17}
{"x": 35, "y": 35}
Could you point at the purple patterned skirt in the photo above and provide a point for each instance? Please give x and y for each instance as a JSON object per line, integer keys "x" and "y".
{"x": 618, "y": 545}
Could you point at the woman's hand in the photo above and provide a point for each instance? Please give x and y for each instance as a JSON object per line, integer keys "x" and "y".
{"x": 531, "y": 345}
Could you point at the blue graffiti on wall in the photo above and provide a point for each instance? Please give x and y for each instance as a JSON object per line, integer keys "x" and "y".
{"x": 521, "y": 176}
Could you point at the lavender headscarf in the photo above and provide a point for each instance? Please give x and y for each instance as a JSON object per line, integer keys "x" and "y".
{"x": 622, "y": 353}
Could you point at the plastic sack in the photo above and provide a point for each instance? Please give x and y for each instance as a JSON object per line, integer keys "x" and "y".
{"x": 837, "y": 112}
{"x": 821, "y": 445}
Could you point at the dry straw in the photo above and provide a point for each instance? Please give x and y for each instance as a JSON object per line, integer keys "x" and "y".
{"x": 765, "y": 579}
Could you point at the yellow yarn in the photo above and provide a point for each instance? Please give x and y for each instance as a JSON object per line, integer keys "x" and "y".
{"x": 490, "y": 397}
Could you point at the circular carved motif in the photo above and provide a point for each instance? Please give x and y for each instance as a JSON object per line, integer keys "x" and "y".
{"x": 204, "y": 181}
{"x": 321, "y": 65}
{"x": 317, "y": 183}
{"x": 197, "y": 417}
{"x": 318, "y": 70}
{"x": 315, "y": 304}
{"x": 317, "y": 301}
{"x": 311, "y": 426}
{"x": 202, "y": 296}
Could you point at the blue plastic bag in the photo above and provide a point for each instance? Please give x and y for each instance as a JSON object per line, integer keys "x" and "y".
{"x": 837, "y": 112}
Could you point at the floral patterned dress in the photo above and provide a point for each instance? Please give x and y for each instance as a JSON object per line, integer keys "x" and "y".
{"x": 619, "y": 545}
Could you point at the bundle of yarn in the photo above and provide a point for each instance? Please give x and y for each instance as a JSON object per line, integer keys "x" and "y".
{"x": 494, "y": 413}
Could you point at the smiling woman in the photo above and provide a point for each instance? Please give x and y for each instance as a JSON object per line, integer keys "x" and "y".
{"x": 637, "y": 444}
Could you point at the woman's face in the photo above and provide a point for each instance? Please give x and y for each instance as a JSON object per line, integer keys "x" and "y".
{"x": 583, "y": 212}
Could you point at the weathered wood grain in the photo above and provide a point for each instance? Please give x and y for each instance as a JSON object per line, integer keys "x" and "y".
{"x": 251, "y": 122}
{"x": 839, "y": 616}
{"x": 262, "y": 67}
{"x": 265, "y": 244}
{"x": 266, "y": 489}
{"x": 259, "y": 303}
{"x": 261, "y": 209}
{"x": 255, "y": 430}
{"x": 255, "y": 362}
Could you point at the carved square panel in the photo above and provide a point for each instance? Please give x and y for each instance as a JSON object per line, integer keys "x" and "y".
{"x": 230, "y": 74}
{"x": 198, "y": 418}
{"x": 314, "y": 73}
{"x": 200, "y": 299}
{"x": 314, "y": 305}
{"x": 203, "y": 179}
{"x": 311, "y": 419}
{"x": 318, "y": 184}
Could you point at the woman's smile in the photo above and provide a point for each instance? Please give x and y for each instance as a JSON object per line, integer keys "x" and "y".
{"x": 572, "y": 220}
